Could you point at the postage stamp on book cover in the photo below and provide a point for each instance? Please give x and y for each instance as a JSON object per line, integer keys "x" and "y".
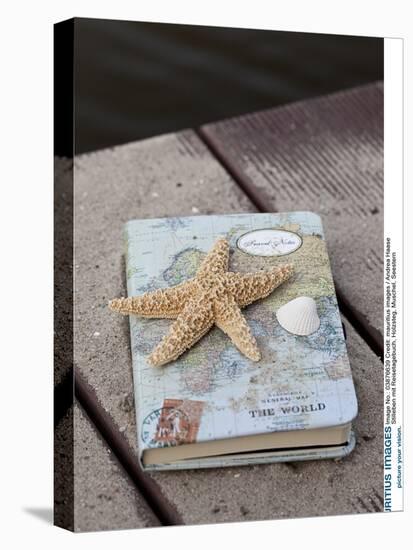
{"x": 175, "y": 423}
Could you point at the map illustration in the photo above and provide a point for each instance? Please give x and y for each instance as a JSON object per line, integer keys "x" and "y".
{"x": 300, "y": 382}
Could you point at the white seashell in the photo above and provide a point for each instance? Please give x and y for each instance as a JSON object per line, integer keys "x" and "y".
{"x": 299, "y": 316}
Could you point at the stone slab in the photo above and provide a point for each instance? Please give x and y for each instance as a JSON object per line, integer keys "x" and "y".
{"x": 141, "y": 180}
{"x": 104, "y": 497}
{"x": 323, "y": 155}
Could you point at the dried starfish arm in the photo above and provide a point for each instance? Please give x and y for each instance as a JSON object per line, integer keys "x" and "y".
{"x": 163, "y": 303}
{"x": 229, "y": 319}
{"x": 216, "y": 261}
{"x": 195, "y": 321}
{"x": 249, "y": 287}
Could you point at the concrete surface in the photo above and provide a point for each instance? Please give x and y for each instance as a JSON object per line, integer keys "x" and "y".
{"x": 324, "y": 155}
{"x": 104, "y": 497}
{"x": 176, "y": 175}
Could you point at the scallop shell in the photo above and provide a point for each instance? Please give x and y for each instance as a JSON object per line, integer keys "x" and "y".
{"x": 299, "y": 316}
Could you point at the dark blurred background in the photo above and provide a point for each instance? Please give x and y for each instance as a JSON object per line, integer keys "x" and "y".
{"x": 136, "y": 80}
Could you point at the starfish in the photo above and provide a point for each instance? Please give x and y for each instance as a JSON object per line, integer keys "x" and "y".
{"x": 214, "y": 296}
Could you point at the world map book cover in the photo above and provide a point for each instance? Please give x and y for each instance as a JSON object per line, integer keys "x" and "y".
{"x": 212, "y": 392}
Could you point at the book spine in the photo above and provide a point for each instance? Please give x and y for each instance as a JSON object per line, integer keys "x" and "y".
{"x": 130, "y": 267}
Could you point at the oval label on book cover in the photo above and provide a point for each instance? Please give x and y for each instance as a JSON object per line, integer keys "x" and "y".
{"x": 269, "y": 242}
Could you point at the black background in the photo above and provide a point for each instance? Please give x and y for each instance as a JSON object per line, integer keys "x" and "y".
{"x": 136, "y": 80}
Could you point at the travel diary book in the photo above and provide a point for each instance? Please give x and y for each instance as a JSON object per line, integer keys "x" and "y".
{"x": 213, "y": 406}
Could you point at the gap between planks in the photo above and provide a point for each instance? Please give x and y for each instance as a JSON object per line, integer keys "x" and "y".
{"x": 103, "y": 422}
{"x": 369, "y": 334}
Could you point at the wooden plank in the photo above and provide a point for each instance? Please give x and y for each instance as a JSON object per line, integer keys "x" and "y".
{"x": 104, "y": 424}
{"x": 63, "y": 271}
{"x": 103, "y": 496}
{"x": 141, "y": 180}
{"x": 324, "y": 155}
{"x": 165, "y": 176}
